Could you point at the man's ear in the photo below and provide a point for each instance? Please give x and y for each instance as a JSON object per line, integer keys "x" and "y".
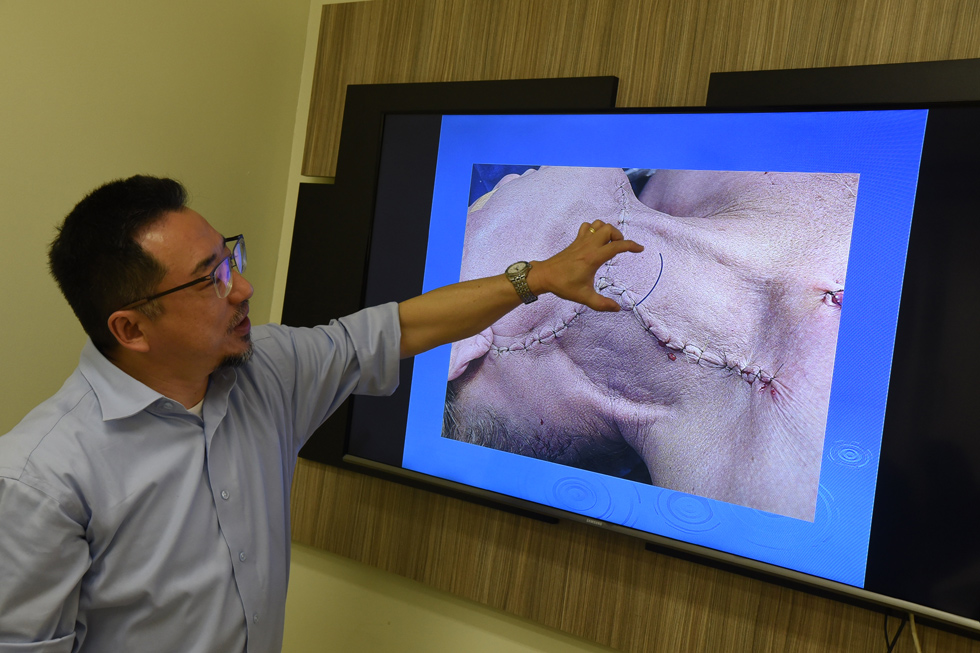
{"x": 127, "y": 327}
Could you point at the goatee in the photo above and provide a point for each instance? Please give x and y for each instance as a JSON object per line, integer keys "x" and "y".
{"x": 238, "y": 360}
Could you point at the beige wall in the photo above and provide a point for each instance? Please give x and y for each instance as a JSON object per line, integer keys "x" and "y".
{"x": 201, "y": 90}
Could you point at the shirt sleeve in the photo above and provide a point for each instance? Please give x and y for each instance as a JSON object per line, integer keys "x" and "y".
{"x": 43, "y": 556}
{"x": 316, "y": 369}
{"x": 375, "y": 335}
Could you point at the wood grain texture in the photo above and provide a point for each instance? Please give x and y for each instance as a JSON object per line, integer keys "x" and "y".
{"x": 591, "y": 583}
{"x": 662, "y": 50}
{"x": 588, "y": 582}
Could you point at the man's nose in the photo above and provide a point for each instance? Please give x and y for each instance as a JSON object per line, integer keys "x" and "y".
{"x": 241, "y": 289}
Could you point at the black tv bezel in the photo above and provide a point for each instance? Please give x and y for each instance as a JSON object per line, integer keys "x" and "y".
{"x": 777, "y": 575}
{"x": 957, "y": 622}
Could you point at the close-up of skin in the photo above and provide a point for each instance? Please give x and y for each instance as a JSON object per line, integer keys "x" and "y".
{"x": 713, "y": 378}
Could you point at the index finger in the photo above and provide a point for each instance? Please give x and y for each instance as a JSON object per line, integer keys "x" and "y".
{"x": 615, "y": 234}
{"x": 618, "y": 246}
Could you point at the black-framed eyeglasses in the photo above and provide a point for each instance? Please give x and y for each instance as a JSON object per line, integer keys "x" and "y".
{"x": 220, "y": 276}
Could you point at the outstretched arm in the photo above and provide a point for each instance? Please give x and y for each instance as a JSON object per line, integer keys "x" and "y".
{"x": 464, "y": 309}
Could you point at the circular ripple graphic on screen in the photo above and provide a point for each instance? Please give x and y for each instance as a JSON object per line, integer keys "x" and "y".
{"x": 577, "y": 495}
{"x": 850, "y": 454}
{"x": 613, "y": 501}
{"x": 687, "y": 512}
{"x": 773, "y": 531}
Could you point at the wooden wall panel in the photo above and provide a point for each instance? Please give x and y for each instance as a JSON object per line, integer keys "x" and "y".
{"x": 592, "y": 583}
{"x": 662, "y": 50}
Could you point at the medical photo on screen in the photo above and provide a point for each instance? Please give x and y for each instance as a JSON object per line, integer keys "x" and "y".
{"x": 714, "y": 378}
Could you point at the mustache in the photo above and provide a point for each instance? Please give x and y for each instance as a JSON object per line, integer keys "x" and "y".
{"x": 240, "y": 315}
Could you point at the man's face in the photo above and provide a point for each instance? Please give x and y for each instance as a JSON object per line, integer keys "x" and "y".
{"x": 198, "y": 331}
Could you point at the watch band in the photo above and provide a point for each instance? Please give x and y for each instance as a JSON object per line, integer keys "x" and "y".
{"x": 517, "y": 273}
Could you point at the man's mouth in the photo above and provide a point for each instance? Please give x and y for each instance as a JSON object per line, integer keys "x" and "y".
{"x": 241, "y": 323}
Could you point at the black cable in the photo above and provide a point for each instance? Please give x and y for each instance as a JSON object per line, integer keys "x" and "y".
{"x": 894, "y": 641}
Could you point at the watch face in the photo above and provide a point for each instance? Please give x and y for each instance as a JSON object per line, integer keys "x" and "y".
{"x": 517, "y": 268}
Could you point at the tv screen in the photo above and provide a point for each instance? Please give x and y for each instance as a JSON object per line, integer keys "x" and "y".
{"x": 741, "y": 405}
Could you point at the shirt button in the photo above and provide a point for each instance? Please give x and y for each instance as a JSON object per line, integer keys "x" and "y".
{"x": 168, "y": 406}
{"x": 242, "y": 556}
{"x": 225, "y": 495}
{"x": 255, "y": 618}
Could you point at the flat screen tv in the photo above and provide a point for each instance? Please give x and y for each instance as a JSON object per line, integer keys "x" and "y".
{"x": 789, "y": 386}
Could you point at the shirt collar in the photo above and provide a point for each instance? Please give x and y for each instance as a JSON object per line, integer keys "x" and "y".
{"x": 119, "y": 394}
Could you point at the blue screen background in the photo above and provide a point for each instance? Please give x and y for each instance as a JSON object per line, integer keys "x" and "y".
{"x": 884, "y": 147}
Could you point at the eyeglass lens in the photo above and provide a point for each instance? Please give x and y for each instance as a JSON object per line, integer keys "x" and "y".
{"x": 222, "y": 273}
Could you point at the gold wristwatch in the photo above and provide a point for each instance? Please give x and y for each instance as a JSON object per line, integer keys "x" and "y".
{"x": 517, "y": 273}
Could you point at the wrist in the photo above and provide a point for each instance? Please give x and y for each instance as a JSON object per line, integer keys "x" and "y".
{"x": 536, "y": 277}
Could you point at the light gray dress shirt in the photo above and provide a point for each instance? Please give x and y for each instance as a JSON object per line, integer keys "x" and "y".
{"x": 129, "y": 524}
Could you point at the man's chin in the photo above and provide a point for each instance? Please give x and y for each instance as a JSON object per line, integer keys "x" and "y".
{"x": 237, "y": 360}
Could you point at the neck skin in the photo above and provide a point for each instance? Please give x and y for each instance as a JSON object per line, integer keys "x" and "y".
{"x": 183, "y": 382}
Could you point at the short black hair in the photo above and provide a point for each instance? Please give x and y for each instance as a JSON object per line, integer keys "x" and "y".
{"x": 96, "y": 259}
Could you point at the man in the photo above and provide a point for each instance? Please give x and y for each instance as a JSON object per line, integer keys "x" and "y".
{"x": 145, "y": 507}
